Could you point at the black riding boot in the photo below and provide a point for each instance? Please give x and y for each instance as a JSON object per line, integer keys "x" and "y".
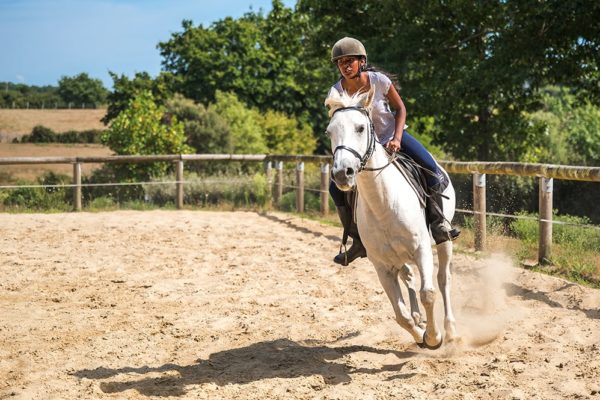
{"x": 435, "y": 218}
{"x": 357, "y": 249}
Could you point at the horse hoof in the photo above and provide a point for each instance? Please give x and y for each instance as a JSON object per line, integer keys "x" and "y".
{"x": 424, "y": 344}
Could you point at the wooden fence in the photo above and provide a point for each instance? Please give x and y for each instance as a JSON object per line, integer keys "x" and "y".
{"x": 545, "y": 172}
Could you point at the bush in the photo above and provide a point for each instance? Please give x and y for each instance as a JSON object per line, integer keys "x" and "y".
{"x": 109, "y": 174}
{"x": 312, "y": 202}
{"x": 86, "y": 136}
{"x": 103, "y": 203}
{"x": 25, "y": 197}
{"x": 39, "y": 198}
{"x": 568, "y": 234}
{"x": 238, "y": 190}
{"x": 41, "y": 134}
{"x": 144, "y": 128}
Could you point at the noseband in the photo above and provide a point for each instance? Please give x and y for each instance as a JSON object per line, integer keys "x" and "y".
{"x": 370, "y": 146}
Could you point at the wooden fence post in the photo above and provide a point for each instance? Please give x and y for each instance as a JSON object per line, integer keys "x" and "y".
{"x": 545, "y": 211}
{"x": 324, "y": 189}
{"x": 300, "y": 187}
{"x": 278, "y": 182}
{"x": 179, "y": 185}
{"x": 269, "y": 175}
{"x": 479, "y": 209}
{"x": 77, "y": 187}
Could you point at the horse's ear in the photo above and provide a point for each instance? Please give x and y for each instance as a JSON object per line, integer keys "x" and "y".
{"x": 333, "y": 102}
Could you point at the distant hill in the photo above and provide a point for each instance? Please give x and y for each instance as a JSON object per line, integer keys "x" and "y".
{"x": 18, "y": 122}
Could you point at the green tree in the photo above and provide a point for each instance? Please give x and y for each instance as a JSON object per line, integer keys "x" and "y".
{"x": 474, "y": 66}
{"x": 283, "y": 135}
{"x": 142, "y": 129}
{"x": 244, "y": 123}
{"x": 265, "y": 61}
{"x": 125, "y": 89}
{"x": 81, "y": 89}
{"x": 206, "y": 131}
{"x": 571, "y": 128}
{"x": 21, "y": 96}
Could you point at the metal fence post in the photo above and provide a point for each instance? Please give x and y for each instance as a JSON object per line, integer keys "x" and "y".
{"x": 278, "y": 182}
{"x": 324, "y": 189}
{"x": 269, "y": 175}
{"x": 179, "y": 185}
{"x": 300, "y": 187}
{"x": 77, "y": 187}
{"x": 479, "y": 209}
{"x": 545, "y": 211}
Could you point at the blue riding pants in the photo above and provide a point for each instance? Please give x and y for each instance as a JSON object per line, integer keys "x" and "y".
{"x": 415, "y": 150}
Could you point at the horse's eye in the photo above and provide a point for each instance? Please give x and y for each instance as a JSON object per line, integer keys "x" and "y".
{"x": 360, "y": 129}
{"x": 327, "y": 133}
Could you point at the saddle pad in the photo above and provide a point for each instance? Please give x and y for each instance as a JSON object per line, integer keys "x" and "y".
{"x": 416, "y": 176}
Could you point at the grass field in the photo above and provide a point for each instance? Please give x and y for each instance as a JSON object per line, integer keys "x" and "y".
{"x": 31, "y": 171}
{"x": 16, "y": 123}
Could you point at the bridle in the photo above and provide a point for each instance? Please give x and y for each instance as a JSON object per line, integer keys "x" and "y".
{"x": 370, "y": 146}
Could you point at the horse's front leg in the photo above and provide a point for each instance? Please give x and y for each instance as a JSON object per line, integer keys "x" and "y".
{"x": 408, "y": 277}
{"x": 389, "y": 282}
{"x": 424, "y": 259}
{"x": 444, "y": 251}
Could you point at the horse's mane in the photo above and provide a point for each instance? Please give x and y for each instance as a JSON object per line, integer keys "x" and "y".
{"x": 345, "y": 100}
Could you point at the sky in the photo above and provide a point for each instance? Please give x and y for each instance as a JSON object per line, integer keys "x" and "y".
{"x": 44, "y": 40}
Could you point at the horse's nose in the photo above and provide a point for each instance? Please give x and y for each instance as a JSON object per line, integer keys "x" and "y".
{"x": 339, "y": 175}
{"x": 343, "y": 175}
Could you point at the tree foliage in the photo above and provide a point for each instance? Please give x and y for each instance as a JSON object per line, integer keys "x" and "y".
{"x": 265, "y": 61}
{"x": 254, "y": 132}
{"x": 142, "y": 129}
{"x": 474, "y": 67}
{"x": 126, "y": 89}
{"x": 470, "y": 73}
{"x": 18, "y": 95}
{"x": 206, "y": 131}
{"x": 243, "y": 122}
{"x": 571, "y": 128}
{"x": 229, "y": 126}
{"x": 81, "y": 89}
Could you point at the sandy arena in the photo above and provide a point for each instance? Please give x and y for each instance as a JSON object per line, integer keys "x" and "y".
{"x": 238, "y": 305}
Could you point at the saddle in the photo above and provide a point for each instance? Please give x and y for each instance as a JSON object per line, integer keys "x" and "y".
{"x": 416, "y": 176}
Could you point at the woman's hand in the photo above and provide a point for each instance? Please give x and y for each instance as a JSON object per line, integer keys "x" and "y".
{"x": 393, "y": 145}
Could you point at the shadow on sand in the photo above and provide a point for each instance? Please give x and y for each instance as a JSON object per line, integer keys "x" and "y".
{"x": 280, "y": 358}
{"x": 288, "y": 222}
{"x": 544, "y": 297}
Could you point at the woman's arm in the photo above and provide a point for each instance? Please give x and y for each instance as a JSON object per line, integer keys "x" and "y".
{"x": 396, "y": 102}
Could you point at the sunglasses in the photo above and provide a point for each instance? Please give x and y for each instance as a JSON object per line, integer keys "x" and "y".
{"x": 346, "y": 60}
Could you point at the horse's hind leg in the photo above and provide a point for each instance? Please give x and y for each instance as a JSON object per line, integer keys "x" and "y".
{"x": 407, "y": 276}
{"x": 444, "y": 276}
{"x": 389, "y": 282}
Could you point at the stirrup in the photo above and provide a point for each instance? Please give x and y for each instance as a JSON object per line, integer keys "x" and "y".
{"x": 355, "y": 251}
{"x": 440, "y": 234}
{"x": 454, "y": 233}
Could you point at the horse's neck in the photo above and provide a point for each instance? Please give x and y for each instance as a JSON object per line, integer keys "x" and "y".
{"x": 377, "y": 188}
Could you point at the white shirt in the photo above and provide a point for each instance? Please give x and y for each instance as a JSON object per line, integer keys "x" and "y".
{"x": 384, "y": 121}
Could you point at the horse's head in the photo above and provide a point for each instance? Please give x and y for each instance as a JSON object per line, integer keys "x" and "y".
{"x": 351, "y": 133}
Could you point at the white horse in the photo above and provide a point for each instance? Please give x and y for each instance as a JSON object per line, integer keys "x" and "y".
{"x": 390, "y": 219}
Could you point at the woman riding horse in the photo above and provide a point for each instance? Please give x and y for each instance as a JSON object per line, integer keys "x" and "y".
{"x": 350, "y": 56}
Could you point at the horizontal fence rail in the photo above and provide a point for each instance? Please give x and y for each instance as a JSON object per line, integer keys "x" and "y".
{"x": 566, "y": 172}
{"x": 545, "y": 172}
